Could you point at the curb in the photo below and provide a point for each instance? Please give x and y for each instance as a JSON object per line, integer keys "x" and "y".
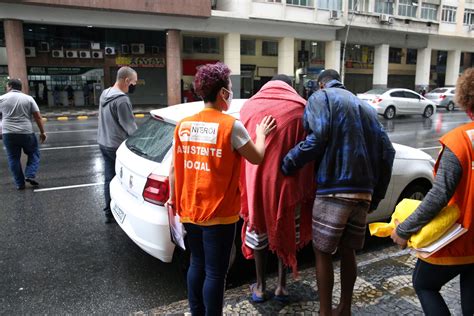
{"x": 72, "y": 117}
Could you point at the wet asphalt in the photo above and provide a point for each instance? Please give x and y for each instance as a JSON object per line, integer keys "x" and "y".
{"x": 57, "y": 256}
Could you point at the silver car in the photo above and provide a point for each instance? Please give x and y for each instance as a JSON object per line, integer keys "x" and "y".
{"x": 442, "y": 97}
{"x": 392, "y": 102}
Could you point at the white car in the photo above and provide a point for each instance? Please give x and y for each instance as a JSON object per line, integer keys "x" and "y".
{"x": 392, "y": 102}
{"x": 140, "y": 188}
{"x": 443, "y": 97}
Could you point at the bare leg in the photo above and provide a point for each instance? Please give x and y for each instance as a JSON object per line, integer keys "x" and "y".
{"x": 348, "y": 278}
{"x": 281, "y": 286}
{"x": 325, "y": 281}
{"x": 260, "y": 267}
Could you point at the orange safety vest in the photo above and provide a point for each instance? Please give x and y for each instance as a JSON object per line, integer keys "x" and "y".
{"x": 461, "y": 251}
{"x": 207, "y": 169}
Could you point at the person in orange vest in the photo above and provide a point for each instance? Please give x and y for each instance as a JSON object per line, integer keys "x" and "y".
{"x": 204, "y": 184}
{"x": 454, "y": 184}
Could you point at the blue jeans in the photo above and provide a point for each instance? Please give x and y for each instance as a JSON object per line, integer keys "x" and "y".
{"x": 428, "y": 279}
{"x": 14, "y": 144}
{"x": 210, "y": 254}
{"x": 109, "y": 155}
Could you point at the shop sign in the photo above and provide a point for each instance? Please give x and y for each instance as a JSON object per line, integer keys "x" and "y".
{"x": 140, "y": 62}
{"x": 57, "y": 70}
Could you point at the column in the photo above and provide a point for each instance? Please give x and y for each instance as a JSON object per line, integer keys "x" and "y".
{"x": 332, "y": 55}
{"x": 232, "y": 60}
{"x": 423, "y": 69}
{"x": 380, "y": 66}
{"x": 286, "y": 56}
{"x": 452, "y": 67}
{"x": 15, "y": 46}
{"x": 174, "y": 66}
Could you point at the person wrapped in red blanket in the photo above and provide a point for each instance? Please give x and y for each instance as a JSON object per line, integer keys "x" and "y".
{"x": 276, "y": 209}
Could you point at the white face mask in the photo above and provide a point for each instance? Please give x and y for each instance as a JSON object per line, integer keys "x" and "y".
{"x": 229, "y": 99}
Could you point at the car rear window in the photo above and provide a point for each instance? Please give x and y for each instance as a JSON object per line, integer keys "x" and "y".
{"x": 152, "y": 140}
{"x": 377, "y": 91}
{"x": 439, "y": 90}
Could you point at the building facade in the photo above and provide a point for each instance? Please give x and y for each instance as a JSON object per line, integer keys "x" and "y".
{"x": 74, "y": 47}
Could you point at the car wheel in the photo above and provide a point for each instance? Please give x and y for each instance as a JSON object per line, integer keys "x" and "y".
{"x": 450, "y": 106}
{"x": 414, "y": 191}
{"x": 389, "y": 112}
{"x": 428, "y": 111}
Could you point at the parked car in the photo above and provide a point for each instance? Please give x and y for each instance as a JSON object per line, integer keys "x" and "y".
{"x": 1, "y": 137}
{"x": 443, "y": 97}
{"x": 140, "y": 188}
{"x": 392, "y": 102}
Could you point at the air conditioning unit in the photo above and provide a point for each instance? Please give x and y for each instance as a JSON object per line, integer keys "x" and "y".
{"x": 43, "y": 47}
{"x": 386, "y": 19}
{"x": 71, "y": 54}
{"x": 109, "y": 50}
{"x": 30, "y": 51}
{"x": 155, "y": 50}
{"x": 84, "y": 54}
{"x": 334, "y": 15}
{"x": 138, "y": 49}
{"x": 471, "y": 28}
{"x": 125, "y": 49}
{"x": 97, "y": 54}
{"x": 57, "y": 53}
{"x": 95, "y": 45}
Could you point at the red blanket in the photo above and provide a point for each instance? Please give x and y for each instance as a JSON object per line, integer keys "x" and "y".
{"x": 269, "y": 198}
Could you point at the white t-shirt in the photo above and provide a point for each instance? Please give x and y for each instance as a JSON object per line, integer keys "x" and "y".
{"x": 17, "y": 112}
{"x": 240, "y": 135}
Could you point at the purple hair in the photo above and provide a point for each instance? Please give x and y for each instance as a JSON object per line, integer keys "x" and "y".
{"x": 210, "y": 79}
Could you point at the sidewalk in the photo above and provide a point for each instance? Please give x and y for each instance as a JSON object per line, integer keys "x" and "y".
{"x": 383, "y": 287}
{"x": 84, "y": 112}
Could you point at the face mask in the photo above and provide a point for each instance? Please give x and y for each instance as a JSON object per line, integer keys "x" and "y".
{"x": 131, "y": 88}
{"x": 229, "y": 99}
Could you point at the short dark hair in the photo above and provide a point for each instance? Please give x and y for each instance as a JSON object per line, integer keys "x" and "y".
{"x": 15, "y": 84}
{"x": 327, "y": 75}
{"x": 125, "y": 72}
{"x": 283, "y": 78}
{"x": 210, "y": 79}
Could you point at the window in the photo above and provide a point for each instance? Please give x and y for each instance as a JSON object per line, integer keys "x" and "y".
{"x": 275, "y": 1}
{"x": 302, "y": 3}
{"x": 468, "y": 17}
{"x": 317, "y": 52}
{"x": 429, "y": 11}
{"x": 407, "y": 8}
{"x": 410, "y": 95}
{"x": 448, "y": 14}
{"x": 269, "y": 48}
{"x": 397, "y": 94}
{"x": 362, "y": 5}
{"x": 330, "y": 5}
{"x": 411, "y": 56}
{"x": 384, "y": 6}
{"x": 247, "y": 47}
{"x": 395, "y": 55}
{"x": 199, "y": 44}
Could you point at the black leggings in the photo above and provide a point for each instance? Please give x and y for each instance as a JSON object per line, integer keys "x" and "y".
{"x": 428, "y": 279}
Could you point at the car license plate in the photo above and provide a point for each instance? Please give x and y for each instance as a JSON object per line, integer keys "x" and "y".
{"x": 119, "y": 213}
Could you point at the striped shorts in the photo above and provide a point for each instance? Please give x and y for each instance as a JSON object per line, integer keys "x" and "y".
{"x": 339, "y": 221}
{"x": 258, "y": 241}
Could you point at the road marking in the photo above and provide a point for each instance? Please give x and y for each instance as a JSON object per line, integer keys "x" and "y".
{"x": 384, "y": 256}
{"x": 62, "y": 118}
{"x": 428, "y": 148}
{"x": 44, "y": 119}
{"x": 140, "y": 115}
{"x": 69, "y": 147}
{"x": 82, "y": 117}
{"x": 78, "y": 131}
{"x": 69, "y": 187}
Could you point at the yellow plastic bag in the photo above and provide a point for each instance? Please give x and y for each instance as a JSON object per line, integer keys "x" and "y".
{"x": 428, "y": 234}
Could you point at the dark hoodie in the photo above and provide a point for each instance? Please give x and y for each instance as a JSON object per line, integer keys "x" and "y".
{"x": 116, "y": 120}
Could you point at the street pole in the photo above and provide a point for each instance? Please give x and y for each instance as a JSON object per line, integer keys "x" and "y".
{"x": 343, "y": 65}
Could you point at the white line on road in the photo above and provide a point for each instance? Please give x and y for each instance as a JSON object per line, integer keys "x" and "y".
{"x": 428, "y": 148}
{"x": 69, "y": 187}
{"x": 78, "y": 131}
{"x": 69, "y": 147}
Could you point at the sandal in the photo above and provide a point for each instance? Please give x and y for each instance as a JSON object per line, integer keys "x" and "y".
{"x": 255, "y": 298}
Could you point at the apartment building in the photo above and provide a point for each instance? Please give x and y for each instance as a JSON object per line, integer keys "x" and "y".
{"x": 56, "y": 43}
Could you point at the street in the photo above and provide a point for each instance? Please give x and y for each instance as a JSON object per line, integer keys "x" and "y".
{"x": 57, "y": 256}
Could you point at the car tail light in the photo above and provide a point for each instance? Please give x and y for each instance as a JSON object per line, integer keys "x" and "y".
{"x": 156, "y": 189}
{"x": 442, "y": 97}
{"x": 377, "y": 100}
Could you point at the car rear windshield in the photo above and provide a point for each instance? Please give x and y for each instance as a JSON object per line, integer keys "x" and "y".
{"x": 152, "y": 140}
{"x": 377, "y": 91}
{"x": 438, "y": 90}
